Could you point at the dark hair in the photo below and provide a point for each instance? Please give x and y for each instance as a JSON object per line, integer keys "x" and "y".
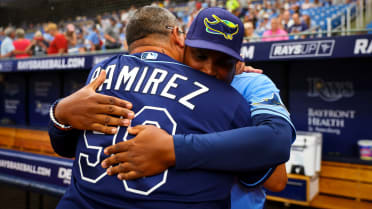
{"x": 149, "y": 20}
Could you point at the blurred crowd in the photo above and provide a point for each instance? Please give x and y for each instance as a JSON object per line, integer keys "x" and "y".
{"x": 264, "y": 20}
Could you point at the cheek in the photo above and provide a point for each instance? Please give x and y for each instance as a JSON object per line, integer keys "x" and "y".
{"x": 190, "y": 62}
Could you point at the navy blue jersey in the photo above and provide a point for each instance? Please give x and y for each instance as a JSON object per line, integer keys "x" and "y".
{"x": 176, "y": 98}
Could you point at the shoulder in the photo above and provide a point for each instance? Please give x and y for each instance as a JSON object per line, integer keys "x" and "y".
{"x": 60, "y": 36}
{"x": 248, "y": 79}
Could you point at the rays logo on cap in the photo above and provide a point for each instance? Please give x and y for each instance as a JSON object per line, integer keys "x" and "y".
{"x": 221, "y": 27}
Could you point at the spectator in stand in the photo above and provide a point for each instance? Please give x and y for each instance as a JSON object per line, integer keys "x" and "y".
{"x": 317, "y": 3}
{"x": 38, "y": 46}
{"x": 112, "y": 36}
{"x": 124, "y": 16}
{"x": 295, "y": 8}
{"x": 80, "y": 43}
{"x": 71, "y": 37}
{"x": 311, "y": 25}
{"x": 7, "y": 47}
{"x": 287, "y": 22}
{"x": 308, "y": 21}
{"x": 93, "y": 39}
{"x": 123, "y": 40}
{"x": 298, "y": 26}
{"x": 21, "y": 44}
{"x": 1, "y": 35}
{"x": 275, "y": 33}
{"x": 47, "y": 37}
{"x": 249, "y": 34}
{"x": 307, "y": 5}
{"x": 59, "y": 45}
{"x": 264, "y": 25}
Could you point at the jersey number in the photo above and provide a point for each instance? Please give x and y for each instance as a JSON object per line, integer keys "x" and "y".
{"x": 89, "y": 161}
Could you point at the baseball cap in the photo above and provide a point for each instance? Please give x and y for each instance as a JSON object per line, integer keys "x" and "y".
{"x": 216, "y": 29}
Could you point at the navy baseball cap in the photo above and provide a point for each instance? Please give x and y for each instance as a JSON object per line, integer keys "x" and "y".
{"x": 216, "y": 29}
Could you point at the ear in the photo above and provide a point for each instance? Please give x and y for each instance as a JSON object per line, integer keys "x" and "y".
{"x": 178, "y": 37}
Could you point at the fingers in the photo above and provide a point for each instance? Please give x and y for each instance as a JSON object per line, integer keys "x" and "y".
{"x": 250, "y": 69}
{"x": 114, "y": 160}
{"x": 111, "y": 110}
{"x": 104, "y": 99}
{"x": 119, "y": 147}
{"x": 120, "y": 168}
{"x": 131, "y": 175}
{"x": 99, "y": 81}
{"x": 136, "y": 129}
{"x": 103, "y": 129}
{"x": 108, "y": 120}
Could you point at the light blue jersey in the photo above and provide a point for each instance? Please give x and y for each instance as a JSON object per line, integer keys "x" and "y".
{"x": 263, "y": 97}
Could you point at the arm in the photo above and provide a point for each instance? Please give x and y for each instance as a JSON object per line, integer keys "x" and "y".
{"x": 87, "y": 110}
{"x": 235, "y": 150}
{"x": 108, "y": 37}
{"x": 92, "y": 46}
{"x": 278, "y": 180}
{"x": 222, "y": 151}
{"x": 63, "y": 142}
{"x": 28, "y": 49}
{"x": 269, "y": 142}
{"x": 7, "y": 54}
{"x": 61, "y": 50}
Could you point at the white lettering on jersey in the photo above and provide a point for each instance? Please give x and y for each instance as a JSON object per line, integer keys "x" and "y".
{"x": 126, "y": 77}
{"x": 185, "y": 100}
{"x": 109, "y": 72}
{"x": 95, "y": 74}
{"x": 154, "y": 81}
{"x": 171, "y": 84}
{"x": 139, "y": 83}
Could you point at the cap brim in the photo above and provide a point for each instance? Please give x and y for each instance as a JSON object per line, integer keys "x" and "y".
{"x": 213, "y": 46}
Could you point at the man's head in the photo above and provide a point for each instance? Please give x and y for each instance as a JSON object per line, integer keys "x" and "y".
{"x": 152, "y": 26}
{"x": 9, "y": 31}
{"x": 38, "y": 36}
{"x": 52, "y": 29}
{"x": 296, "y": 18}
{"x": 248, "y": 29}
{"x": 20, "y": 33}
{"x": 275, "y": 24}
{"x": 213, "y": 43}
{"x": 286, "y": 15}
{"x": 112, "y": 21}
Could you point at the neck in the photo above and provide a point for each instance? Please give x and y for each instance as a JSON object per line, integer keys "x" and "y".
{"x": 145, "y": 44}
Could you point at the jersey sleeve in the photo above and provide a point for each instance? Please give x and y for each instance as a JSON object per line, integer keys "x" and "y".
{"x": 263, "y": 96}
{"x": 63, "y": 142}
{"x": 262, "y": 146}
{"x": 255, "y": 178}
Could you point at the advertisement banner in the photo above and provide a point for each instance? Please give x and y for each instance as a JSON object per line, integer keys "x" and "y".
{"x": 44, "y": 89}
{"x": 321, "y": 48}
{"x": 334, "y": 101}
{"x": 13, "y": 100}
{"x": 73, "y": 81}
{"x": 318, "y": 48}
{"x": 33, "y": 167}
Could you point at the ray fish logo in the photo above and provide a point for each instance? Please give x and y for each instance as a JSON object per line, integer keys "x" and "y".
{"x": 221, "y": 27}
{"x": 330, "y": 91}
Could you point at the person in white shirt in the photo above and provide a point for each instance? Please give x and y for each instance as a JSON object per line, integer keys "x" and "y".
{"x": 307, "y": 5}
